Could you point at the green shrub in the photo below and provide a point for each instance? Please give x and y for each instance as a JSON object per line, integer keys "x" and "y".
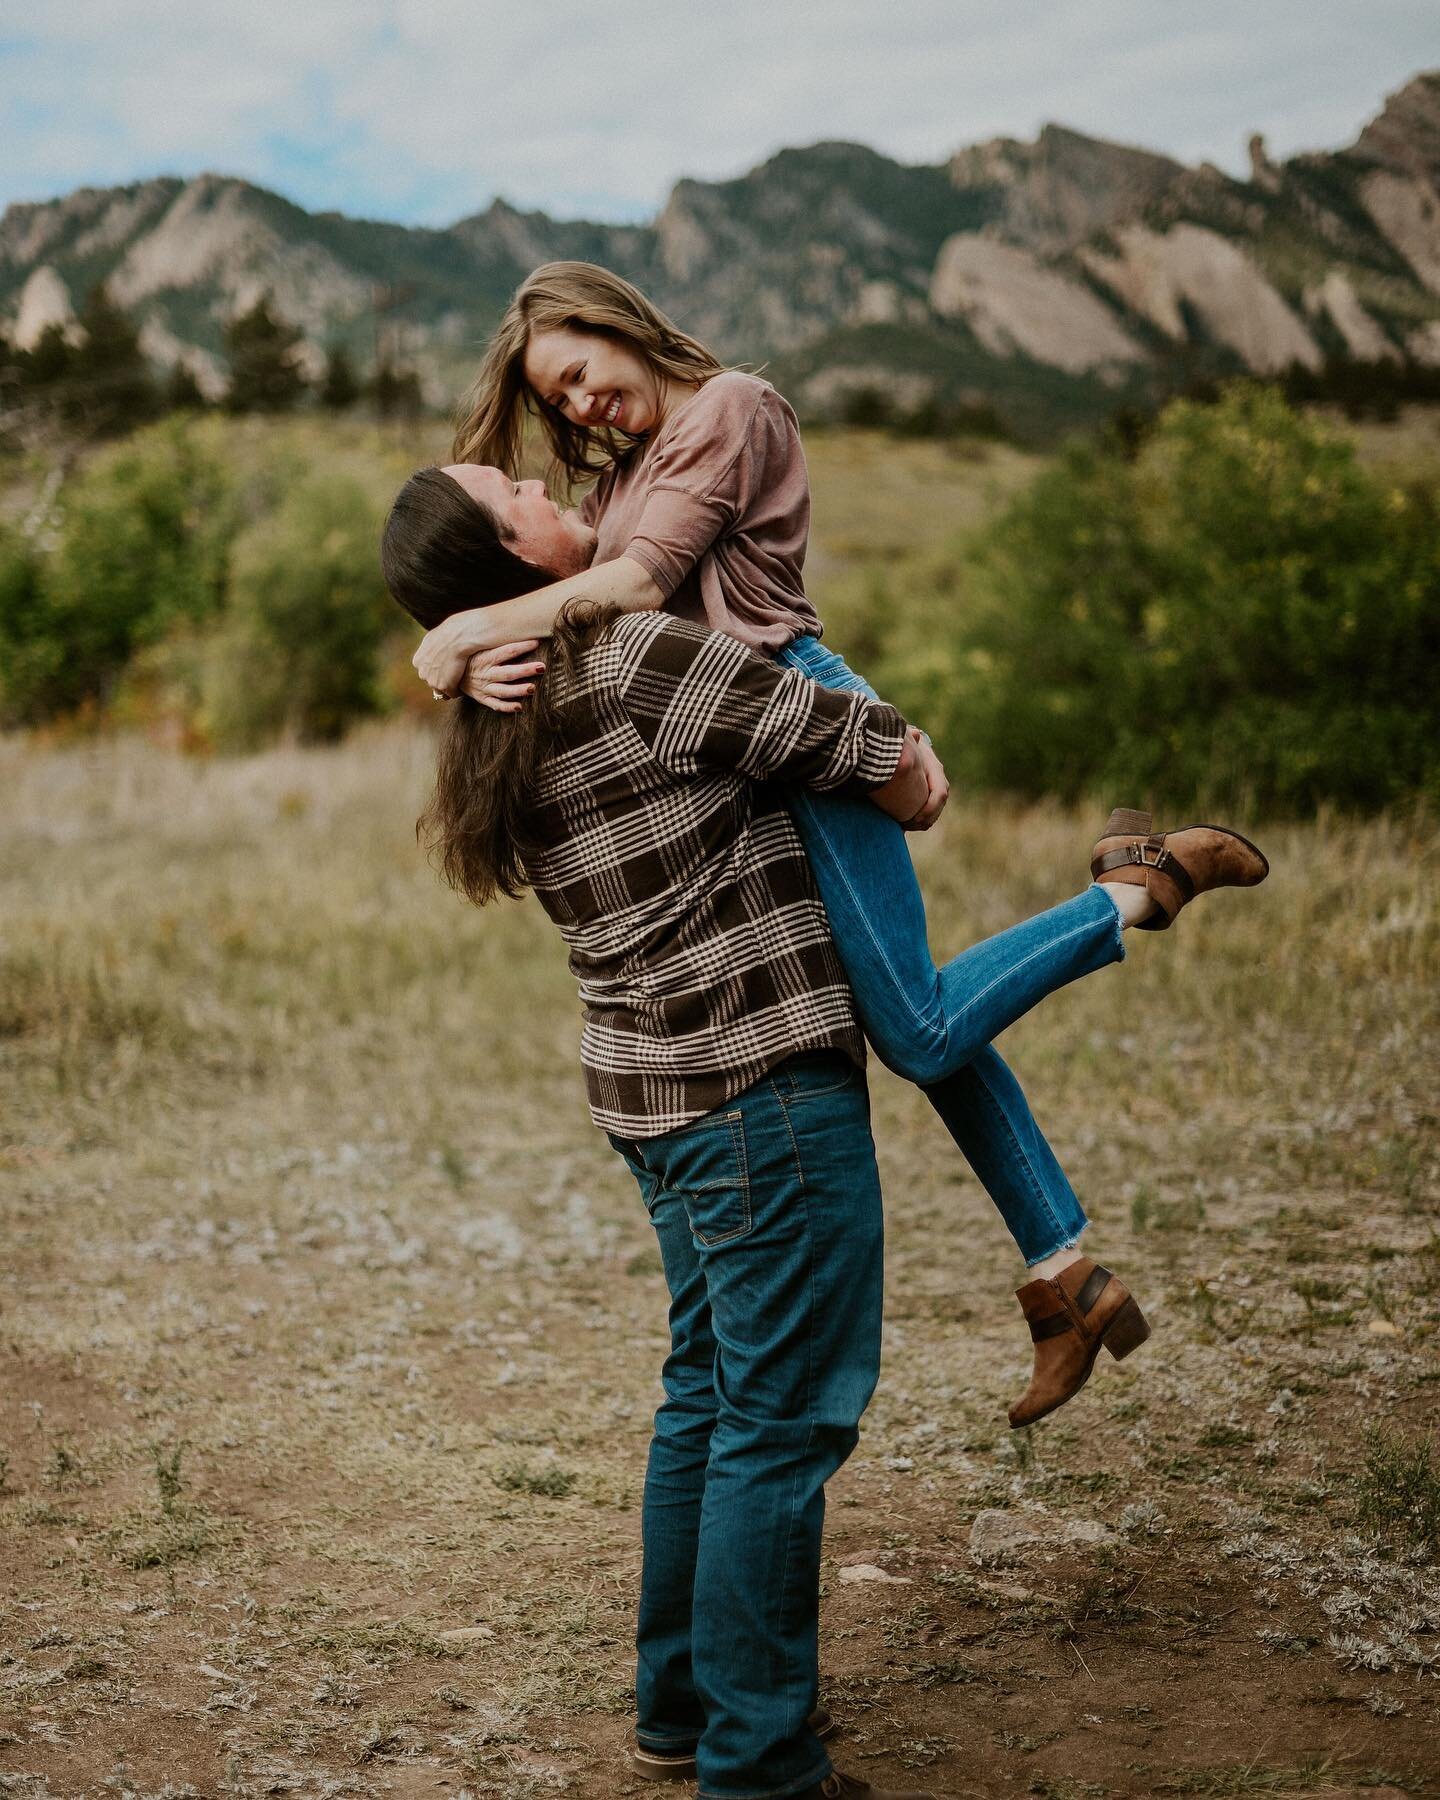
{"x": 1397, "y": 1491}
{"x": 298, "y": 647}
{"x": 29, "y": 647}
{"x": 1242, "y": 613}
{"x": 520, "y": 1478}
{"x": 141, "y": 541}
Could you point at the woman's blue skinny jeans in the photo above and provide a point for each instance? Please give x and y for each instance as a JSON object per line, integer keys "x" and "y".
{"x": 934, "y": 1026}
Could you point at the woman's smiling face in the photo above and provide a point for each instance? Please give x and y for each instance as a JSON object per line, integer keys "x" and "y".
{"x": 595, "y": 381}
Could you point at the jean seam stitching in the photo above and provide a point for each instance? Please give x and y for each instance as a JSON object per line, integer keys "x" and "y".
{"x": 1018, "y": 1150}
{"x": 941, "y": 1034}
{"x": 809, "y": 1374}
{"x": 1024, "y": 963}
{"x": 736, "y": 1122}
{"x": 918, "y": 1019}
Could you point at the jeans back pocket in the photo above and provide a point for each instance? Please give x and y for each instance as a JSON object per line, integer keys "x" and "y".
{"x": 707, "y": 1168}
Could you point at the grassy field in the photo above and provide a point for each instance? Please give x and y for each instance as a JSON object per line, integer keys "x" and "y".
{"x": 330, "y": 1327}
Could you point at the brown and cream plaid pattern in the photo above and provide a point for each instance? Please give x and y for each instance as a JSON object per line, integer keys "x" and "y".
{"x": 673, "y": 870}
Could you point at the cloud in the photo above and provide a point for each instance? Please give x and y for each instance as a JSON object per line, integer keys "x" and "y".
{"x": 425, "y": 109}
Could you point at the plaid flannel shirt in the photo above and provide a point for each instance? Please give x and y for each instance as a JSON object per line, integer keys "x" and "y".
{"x": 675, "y": 872}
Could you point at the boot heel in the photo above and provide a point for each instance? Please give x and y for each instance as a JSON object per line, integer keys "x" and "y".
{"x": 1128, "y": 1331}
{"x": 1126, "y": 822}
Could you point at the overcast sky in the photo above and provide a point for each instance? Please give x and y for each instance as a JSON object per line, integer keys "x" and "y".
{"x": 425, "y": 110}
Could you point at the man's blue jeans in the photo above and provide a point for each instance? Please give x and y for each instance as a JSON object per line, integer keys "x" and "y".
{"x": 769, "y": 1220}
{"x": 934, "y": 1026}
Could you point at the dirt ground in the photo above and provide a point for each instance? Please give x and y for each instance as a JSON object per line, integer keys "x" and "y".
{"x": 330, "y": 1328}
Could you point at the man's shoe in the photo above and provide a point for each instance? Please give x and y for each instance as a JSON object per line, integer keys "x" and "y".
{"x": 655, "y": 1765}
{"x": 1070, "y": 1316}
{"x": 1173, "y": 866}
{"x": 836, "y": 1786}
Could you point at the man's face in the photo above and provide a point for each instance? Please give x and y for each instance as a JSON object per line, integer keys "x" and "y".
{"x": 555, "y": 542}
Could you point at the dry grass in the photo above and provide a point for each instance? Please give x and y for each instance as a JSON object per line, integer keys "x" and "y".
{"x": 330, "y": 1326}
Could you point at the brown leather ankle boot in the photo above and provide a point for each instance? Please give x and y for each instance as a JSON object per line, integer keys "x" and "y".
{"x": 1173, "y": 866}
{"x": 1071, "y": 1315}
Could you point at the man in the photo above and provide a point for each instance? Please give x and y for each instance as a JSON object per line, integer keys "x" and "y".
{"x": 723, "y": 1057}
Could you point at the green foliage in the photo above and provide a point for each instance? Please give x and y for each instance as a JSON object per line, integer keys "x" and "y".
{"x": 341, "y": 386}
{"x": 872, "y": 409}
{"x": 1397, "y": 1491}
{"x": 141, "y": 538}
{"x": 99, "y": 385}
{"x": 520, "y": 1478}
{"x": 138, "y": 541}
{"x": 265, "y": 373}
{"x": 1241, "y": 612}
{"x": 28, "y": 650}
{"x": 194, "y": 581}
{"x": 181, "y": 392}
{"x": 297, "y": 650}
{"x": 50, "y": 358}
{"x": 111, "y": 388}
{"x": 395, "y": 392}
{"x": 168, "y": 1479}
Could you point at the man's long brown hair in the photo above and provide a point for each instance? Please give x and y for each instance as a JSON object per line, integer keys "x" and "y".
{"x": 444, "y": 552}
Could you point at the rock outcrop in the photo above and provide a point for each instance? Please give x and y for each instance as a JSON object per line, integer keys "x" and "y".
{"x": 1263, "y": 173}
{"x": 1405, "y": 134}
{"x": 1014, "y": 302}
{"x": 1164, "y": 276}
{"x": 1053, "y": 194}
{"x": 44, "y": 301}
{"x": 1400, "y": 186}
{"x": 1335, "y": 297}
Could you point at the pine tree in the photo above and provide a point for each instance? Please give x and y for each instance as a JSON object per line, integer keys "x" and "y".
{"x": 182, "y": 390}
{"x": 395, "y": 392}
{"x": 49, "y": 359}
{"x": 109, "y": 384}
{"x": 12, "y": 374}
{"x": 341, "y": 386}
{"x": 265, "y": 374}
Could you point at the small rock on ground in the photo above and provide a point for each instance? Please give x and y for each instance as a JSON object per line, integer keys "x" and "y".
{"x": 998, "y": 1536}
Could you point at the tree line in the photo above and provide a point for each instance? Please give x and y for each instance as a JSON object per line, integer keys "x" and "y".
{"x": 95, "y": 381}
{"x": 1234, "y": 611}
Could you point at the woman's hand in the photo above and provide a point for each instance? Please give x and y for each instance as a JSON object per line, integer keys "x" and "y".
{"x": 444, "y": 651}
{"x": 501, "y": 679}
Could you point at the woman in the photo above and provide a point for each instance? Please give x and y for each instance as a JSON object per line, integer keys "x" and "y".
{"x": 702, "y": 506}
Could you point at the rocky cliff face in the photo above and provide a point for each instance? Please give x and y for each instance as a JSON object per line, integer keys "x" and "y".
{"x": 1405, "y": 136}
{"x": 1053, "y": 194}
{"x": 1063, "y": 269}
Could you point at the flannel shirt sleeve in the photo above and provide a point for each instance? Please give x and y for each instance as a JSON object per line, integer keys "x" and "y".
{"x": 702, "y": 701}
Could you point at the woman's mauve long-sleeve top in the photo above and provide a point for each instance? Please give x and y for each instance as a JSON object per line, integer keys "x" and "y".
{"x": 716, "y": 505}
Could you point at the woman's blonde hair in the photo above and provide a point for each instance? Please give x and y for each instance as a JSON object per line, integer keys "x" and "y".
{"x": 555, "y": 296}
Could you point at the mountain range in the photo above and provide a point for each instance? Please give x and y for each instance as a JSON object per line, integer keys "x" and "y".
{"x": 1051, "y": 279}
